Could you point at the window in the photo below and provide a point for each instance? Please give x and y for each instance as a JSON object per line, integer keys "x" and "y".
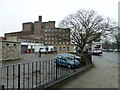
{"x": 64, "y": 49}
{"x": 60, "y": 48}
{"x": 29, "y": 41}
{"x": 49, "y": 38}
{"x": 98, "y": 46}
{"x": 67, "y": 48}
{"x": 55, "y": 48}
{"x": 52, "y": 34}
{"x": 49, "y": 34}
{"x": 49, "y": 42}
{"x": 52, "y": 38}
{"x": 49, "y": 30}
{"x": 45, "y": 34}
{"x": 45, "y": 38}
{"x": 45, "y": 30}
{"x": 67, "y": 42}
{"x": 45, "y": 42}
{"x": 53, "y": 30}
{"x": 52, "y": 42}
{"x": 36, "y": 42}
{"x": 32, "y": 41}
{"x": 56, "y": 42}
{"x": 59, "y": 42}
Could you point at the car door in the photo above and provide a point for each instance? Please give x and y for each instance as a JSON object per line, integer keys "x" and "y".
{"x": 64, "y": 62}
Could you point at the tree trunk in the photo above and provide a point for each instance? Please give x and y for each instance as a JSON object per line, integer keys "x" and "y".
{"x": 83, "y": 61}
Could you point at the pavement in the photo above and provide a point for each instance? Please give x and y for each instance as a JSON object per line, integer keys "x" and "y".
{"x": 103, "y": 75}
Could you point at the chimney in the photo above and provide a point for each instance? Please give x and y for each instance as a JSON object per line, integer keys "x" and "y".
{"x": 40, "y": 18}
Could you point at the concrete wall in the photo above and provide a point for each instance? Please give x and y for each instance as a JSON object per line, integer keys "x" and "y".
{"x": 10, "y": 50}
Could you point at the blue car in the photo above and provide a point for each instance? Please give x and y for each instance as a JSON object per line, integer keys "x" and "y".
{"x": 67, "y": 60}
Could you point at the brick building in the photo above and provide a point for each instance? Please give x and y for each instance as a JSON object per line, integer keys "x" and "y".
{"x": 45, "y": 32}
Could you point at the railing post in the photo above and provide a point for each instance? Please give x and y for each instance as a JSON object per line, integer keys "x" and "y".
{"x": 74, "y": 63}
{"x": 0, "y": 77}
{"x": 18, "y": 76}
{"x": 56, "y": 73}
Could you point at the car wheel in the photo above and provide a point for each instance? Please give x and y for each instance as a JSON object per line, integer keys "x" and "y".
{"x": 69, "y": 66}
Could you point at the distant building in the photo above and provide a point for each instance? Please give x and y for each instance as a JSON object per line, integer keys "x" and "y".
{"x": 27, "y": 43}
{"x": 43, "y": 32}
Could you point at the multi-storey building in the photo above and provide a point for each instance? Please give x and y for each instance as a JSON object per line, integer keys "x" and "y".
{"x": 46, "y": 33}
{"x": 56, "y": 36}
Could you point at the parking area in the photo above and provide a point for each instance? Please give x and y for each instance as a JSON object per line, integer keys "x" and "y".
{"x": 30, "y": 57}
{"x": 33, "y": 71}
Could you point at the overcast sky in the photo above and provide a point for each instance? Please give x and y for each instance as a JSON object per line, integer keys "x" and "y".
{"x": 15, "y": 12}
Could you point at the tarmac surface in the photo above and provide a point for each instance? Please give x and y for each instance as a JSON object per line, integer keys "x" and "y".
{"x": 103, "y": 75}
{"x": 30, "y": 57}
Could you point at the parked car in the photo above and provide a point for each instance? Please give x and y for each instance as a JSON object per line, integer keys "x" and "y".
{"x": 68, "y": 60}
{"x": 68, "y": 55}
{"x": 27, "y": 51}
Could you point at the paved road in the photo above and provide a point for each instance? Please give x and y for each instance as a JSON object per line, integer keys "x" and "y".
{"x": 113, "y": 56}
{"x": 103, "y": 75}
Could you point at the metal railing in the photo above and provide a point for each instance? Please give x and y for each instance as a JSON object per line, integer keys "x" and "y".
{"x": 33, "y": 75}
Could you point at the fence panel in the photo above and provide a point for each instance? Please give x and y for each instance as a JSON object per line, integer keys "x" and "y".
{"x": 33, "y": 75}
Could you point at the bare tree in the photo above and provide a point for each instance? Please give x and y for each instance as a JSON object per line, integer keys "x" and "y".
{"x": 86, "y": 26}
{"x": 117, "y": 37}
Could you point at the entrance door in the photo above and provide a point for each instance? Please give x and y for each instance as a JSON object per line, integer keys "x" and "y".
{"x": 23, "y": 48}
{"x": 55, "y": 48}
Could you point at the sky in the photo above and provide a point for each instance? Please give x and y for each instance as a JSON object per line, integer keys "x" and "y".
{"x": 15, "y": 12}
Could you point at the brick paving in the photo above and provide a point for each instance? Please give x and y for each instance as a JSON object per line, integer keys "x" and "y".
{"x": 103, "y": 75}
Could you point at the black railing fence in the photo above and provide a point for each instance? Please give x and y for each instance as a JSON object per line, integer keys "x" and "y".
{"x": 32, "y": 75}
